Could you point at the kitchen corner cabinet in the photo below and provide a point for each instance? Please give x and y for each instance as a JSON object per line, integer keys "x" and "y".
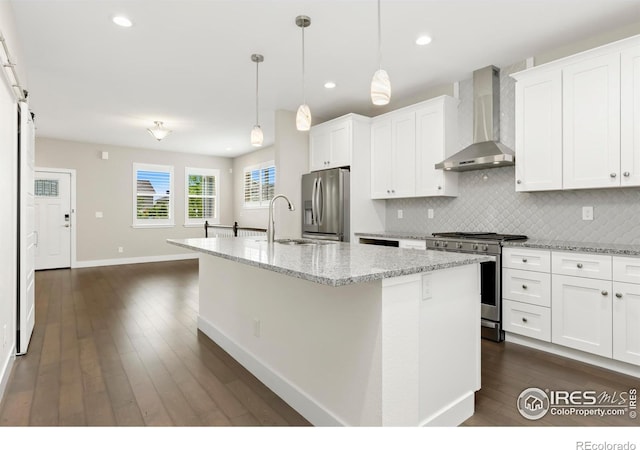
{"x": 331, "y": 144}
{"x": 578, "y": 120}
{"x": 405, "y": 146}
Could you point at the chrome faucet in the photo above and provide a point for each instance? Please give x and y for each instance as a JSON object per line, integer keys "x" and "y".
{"x": 271, "y": 226}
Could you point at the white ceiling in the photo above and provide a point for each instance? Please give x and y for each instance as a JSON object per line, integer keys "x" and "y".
{"x": 187, "y": 62}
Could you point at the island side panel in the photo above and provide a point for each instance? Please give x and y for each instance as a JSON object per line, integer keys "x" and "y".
{"x": 319, "y": 347}
{"x": 449, "y": 345}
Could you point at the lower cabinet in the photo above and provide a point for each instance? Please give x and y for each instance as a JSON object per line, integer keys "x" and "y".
{"x": 581, "y": 314}
{"x": 626, "y": 322}
{"x": 597, "y": 313}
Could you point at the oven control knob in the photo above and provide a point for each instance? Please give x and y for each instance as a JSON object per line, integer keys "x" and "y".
{"x": 459, "y": 245}
{"x": 445, "y": 243}
{"x": 437, "y": 244}
{"x": 485, "y": 248}
{"x": 475, "y": 246}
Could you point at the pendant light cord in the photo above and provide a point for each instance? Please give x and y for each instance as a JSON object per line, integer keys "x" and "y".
{"x": 257, "y": 64}
{"x": 379, "y": 38}
{"x": 304, "y": 100}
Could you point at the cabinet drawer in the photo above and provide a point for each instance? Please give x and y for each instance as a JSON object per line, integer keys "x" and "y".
{"x": 626, "y": 269}
{"x": 412, "y": 243}
{"x": 527, "y": 259}
{"x": 581, "y": 265}
{"x": 527, "y": 286}
{"x": 527, "y": 320}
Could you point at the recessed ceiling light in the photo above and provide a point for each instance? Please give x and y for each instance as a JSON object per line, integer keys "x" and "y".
{"x": 122, "y": 21}
{"x": 423, "y": 40}
{"x": 330, "y": 84}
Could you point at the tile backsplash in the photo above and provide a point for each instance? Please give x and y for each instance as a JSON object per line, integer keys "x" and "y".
{"x": 487, "y": 199}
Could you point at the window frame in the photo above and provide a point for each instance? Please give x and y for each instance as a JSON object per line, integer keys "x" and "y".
{"x": 188, "y": 222}
{"x": 153, "y": 223}
{"x": 260, "y": 204}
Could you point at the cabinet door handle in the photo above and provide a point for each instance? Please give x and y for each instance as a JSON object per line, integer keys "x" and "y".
{"x": 618, "y": 294}
{"x": 519, "y": 181}
{"x": 626, "y": 174}
{"x": 439, "y": 188}
{"x": 524, "y": 260}
{"x": 393, "y": 191}
{"x": 524, "y": 286}
{"x": 579, "y": 265}
{"x": 612, "y": 175}
{"x": 524, "y": 319}
{"x": 605, "y": 293}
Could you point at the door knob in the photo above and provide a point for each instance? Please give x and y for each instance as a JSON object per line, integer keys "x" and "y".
{"x": 618, "y": 295}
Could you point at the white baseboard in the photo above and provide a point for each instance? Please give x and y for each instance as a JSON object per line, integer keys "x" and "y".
{"x": 134, "y": 260}
{"x": 5, "y": 371}
{"x": 308, "y": 407}
{"x": 560, "y": 350}
{"x": 456, "y": 412}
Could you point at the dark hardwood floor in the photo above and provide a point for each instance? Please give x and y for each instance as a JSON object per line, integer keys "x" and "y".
{"x": 119, "y": 346}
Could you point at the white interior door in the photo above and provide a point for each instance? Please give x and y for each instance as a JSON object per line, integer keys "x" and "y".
{"x": 26, "y": 300}
{"x": 53, "y": 220}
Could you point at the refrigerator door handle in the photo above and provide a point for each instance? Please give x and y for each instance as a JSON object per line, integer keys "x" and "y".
{"x": 320, "y": 202}
{"x": 314, "y": 216}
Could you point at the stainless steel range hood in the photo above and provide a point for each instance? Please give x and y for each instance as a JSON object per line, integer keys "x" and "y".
{"x": 486, "y": 150}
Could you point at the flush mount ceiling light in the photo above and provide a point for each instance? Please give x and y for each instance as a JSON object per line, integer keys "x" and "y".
{"x": 380, "y": 84}
{"x": 423, "y": 40}
{"x": 122, "y": 21}
{"x": 256, "y": 133}
{"x": 303, "y": 116}
{"x": 159, "y": 132}
{"x": 330, "y": 85}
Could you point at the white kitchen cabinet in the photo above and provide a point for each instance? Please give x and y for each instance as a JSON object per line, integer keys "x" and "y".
{"x": 436, "y": 140}
{"x": 331, "y": 144}
{"x": 591, "y": 122}
{"x": 539, "y": 131}
{"x": 526, "y": 292}
{"x": 630, "y": 117}
{"x": 405, "y": 146}
{"x": 393, "y": 155}
{"x": 585, "y": 110}
{"x": 626, "y": 322}
{"x": 581, "y": 314}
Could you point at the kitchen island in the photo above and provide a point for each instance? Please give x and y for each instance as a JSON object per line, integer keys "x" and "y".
{"x": 348, "y": 334}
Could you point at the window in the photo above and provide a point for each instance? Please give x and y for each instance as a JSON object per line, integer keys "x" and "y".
{"x": 201, "y": 188}
{"x": 153, "y": 195}
{"x": 259, "y": 185}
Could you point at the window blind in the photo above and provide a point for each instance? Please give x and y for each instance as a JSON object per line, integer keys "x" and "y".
{"x": 153, "y": 194}
{"x": 259, "y": 185}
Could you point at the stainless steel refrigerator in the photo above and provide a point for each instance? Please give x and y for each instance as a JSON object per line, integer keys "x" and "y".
{"x": 325, "y": 205}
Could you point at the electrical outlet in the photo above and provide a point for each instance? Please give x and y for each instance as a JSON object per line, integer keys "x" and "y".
{"x": 400, "y": 214}
{"x": 120, "y": 249}
{"x": 256, "y": 327}
{"x": 429, "y": 213}
{"x": 587, "y": 213}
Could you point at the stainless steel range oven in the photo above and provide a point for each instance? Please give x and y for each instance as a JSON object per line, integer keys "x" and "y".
{"x": 490, "y": 272}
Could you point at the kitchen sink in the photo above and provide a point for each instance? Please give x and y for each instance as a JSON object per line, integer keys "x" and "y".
{"x": 302, "y": 242}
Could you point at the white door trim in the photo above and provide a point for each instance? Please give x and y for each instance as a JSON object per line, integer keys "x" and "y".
{"x": 72, "y": 173}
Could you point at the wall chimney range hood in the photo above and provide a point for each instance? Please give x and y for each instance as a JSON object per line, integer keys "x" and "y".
{"x": 486, "y": 150}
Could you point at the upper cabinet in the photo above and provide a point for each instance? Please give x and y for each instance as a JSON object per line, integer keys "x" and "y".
{"x": 405, "y": 146}
{"x": 577, "y": 120}
{"x": 331, "y": 144}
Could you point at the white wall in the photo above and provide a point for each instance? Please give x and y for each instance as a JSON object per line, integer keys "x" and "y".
{"x": 107, "y": 186}
{"x": 9, "y": 188}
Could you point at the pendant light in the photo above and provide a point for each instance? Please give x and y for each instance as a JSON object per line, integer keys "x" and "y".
{"x": 380, "y": 84}
{"x": 256, "y": 133}
{"x": 303, "y": 116}
{"x": 159, "y": 131}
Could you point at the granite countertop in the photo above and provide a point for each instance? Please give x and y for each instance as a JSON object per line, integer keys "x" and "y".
{"x": 334, "y": 264}
{"x": 584, "y": 247}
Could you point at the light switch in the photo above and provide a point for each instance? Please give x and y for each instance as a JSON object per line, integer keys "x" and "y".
{"x": 400, "y": 214}
{"x": 587, "y": 213}
{"x": 98, "y": 214}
